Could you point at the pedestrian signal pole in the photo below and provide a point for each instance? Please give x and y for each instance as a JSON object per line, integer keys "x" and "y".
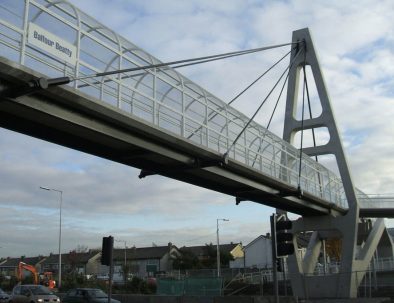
{"x": 107, "y": 259}
{"x": 274, "y": 257}
{"x": 282, "y": 246}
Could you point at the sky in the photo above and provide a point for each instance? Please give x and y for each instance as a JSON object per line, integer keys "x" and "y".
{"x": 355, "y": 43}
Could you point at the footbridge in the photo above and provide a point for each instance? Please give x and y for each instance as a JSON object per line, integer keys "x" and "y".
{"x": 151, "y": 117}
{"x": 156, "y": 120}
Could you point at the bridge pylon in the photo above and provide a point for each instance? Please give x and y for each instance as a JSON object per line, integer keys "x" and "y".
{"x": 354, "y": 258}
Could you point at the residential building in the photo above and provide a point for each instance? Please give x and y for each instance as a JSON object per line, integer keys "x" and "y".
{"x": 84, "y": 263}
{"x": 144, "y": 261}
{"x": 391, "y": 232}
{"x": 207, "y": 252}
{"x": 235, "y": 249}
{"x": 9, "y": 266}
{"x": 258, "y": 253}
{"x": 385, "y": 247}
{"x": 202, "y": 251}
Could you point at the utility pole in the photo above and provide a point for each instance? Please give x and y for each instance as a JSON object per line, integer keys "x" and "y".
{"x": 60, "y": 192}
{"x": 274, "y": 258}
{"x": 217, "y": 245}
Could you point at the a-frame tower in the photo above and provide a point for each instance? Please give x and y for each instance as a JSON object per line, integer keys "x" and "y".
{"x": 354, "y": 258}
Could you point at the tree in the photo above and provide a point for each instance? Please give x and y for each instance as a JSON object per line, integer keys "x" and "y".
{"x": 81, "y": 249}
{"x": 333, "y": 248}
{"x": 210, "y": 260}
{"x": 126, "y": 270}
{"x": 225, "y": 258}
{"x": 187, "y": 260}
{"x": 73, "y": 260}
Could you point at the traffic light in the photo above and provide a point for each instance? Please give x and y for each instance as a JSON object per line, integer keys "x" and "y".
{"x": 279, "y": 266}
{"x": 284, "y": 238}
{"x": 106, "y": 251}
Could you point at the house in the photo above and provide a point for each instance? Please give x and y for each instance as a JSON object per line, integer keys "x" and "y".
{"x": 205, "y": 252}
{"x": 235, "y": 249}
{"x": 9, "y": 266}
{"x": 385, "y": 247}
{"x": 391, "y": 232}
{"x": 258, "y": 253}
{"x": 144, "y": 261}
{"x": 82, "y": 263}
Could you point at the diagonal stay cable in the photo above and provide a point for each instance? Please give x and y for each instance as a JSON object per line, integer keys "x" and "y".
{"x": 275, "y": 107}
{"x": 258, "y": 78}
{"x": 313, "y": 130}
{"x": 43, "y": 83}
{"x": 132, "y": 69}
{"x": 277, "y": 101}
{"x": 310, "y": 110}
{"x": 302, "y": 126}
{"x": 166, "y": 67}
{"x": 273, "y": 112}
{"x": 214, "y": 114}
{"x": 225, "y": 155}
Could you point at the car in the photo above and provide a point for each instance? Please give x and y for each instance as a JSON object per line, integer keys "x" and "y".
{"x": 4, "y": 297}
{"x": 87, "y": 295}
{"x": 31, "y": 293}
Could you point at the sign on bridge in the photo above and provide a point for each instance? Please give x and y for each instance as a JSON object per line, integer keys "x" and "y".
{"x": 51, "y": 43}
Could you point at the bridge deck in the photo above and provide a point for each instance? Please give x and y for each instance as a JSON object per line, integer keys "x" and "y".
{"x": 71, "y": 118}
{"x": 377, "y": 206}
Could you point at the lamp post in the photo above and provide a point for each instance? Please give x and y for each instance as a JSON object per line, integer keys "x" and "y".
{"x": 217, "y": 246}
{"x": 60, "y": 231}
{"x": 125, "y": 250}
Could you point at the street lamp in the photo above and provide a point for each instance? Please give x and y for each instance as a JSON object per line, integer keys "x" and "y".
{"x": 217, "y": 246}
{"x": 125, "y": 249}
{"x": 60, "y": 231}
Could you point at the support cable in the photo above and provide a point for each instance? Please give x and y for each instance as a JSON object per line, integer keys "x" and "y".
{"x": 277, "y": 101}
{"x": 225, "y": 155}
{"x": 173, "y": 67}
{"x": 302, "y": 126}
{"x": 310, "y": 110}
{"x": 242, "y": 92}
{"x": 258, "y": 78}
{"x": 196, "y": 60}
{"x": 44, "y": 83}
{"x": 313, "y": 130}
{"x": 273, "y": 112}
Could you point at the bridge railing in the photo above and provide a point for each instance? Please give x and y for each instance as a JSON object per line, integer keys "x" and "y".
{"x": 159, "y": 96}
{"x": 377, "y": 201}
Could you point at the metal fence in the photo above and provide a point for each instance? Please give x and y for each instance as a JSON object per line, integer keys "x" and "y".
{"x": 372, "y": 282}
{"x": 210, "y": 286}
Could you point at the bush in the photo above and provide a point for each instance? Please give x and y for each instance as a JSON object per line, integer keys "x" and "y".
{"x": 8, "y": 284}
{"x": 138, "y": 286}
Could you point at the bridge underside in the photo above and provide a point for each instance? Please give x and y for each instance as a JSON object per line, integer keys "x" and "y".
{"x": 70, "y": 118}
{"x": 380, "y": 212}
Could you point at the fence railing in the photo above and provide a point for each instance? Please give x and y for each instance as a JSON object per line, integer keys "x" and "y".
{"x": 370, "y": 281}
